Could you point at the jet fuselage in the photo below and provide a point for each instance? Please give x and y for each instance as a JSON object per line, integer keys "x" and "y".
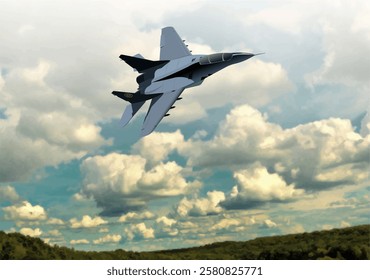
{"x": 185, "y": 72}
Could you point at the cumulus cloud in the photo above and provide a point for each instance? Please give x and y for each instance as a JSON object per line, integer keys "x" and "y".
{"x": 87, "y": 222}
{"x": 31, "y": 232}
{"x": 133, "y": 216}
{"x": 121, "y": 183}
{"x": 8, "y": 193}
{"x": 232, "y": 223}
{"x": 55, "y": 221}
{"x": 269, "y": 163}
{"x": 181, "y": 115}
{"x": 225, "y": 223}
{"x": 139, "y": 231}
{"x": 157, "y": 146}
{"x": 25, "y": 211}
{"x": 166, "y": 221}
{"x": 110, "y": 238}
{"x": 311, "y": 156}
{"x": 201, "y": 206}
{"x": 258, "y": 185}
{"x": 54, "y": 232}
{"x": 165, "y": 227}
{"x": 36, "y": 135}
{"x": 79, "y": 241}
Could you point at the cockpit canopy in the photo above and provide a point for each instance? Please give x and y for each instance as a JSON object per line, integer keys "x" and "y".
{"x": 215, "y": 58}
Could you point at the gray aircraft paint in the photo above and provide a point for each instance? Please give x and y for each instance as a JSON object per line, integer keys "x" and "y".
{"x": 164, "y": 80}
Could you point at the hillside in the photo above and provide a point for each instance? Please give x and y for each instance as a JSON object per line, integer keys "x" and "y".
{"x": 347, "y": 243}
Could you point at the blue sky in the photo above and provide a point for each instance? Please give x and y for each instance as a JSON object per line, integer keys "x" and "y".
{"x": 275, "y": 145}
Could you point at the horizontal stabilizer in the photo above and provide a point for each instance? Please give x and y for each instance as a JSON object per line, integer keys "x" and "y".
{"x": 133, "y": 97}
{"x": 128, "y": 96}
{"x": 141, "y": 64}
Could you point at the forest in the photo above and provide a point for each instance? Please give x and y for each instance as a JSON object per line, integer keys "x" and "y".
{"x": 352, "y": 243}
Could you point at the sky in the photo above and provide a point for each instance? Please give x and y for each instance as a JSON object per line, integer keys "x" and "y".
{"x": 275, "y": 145}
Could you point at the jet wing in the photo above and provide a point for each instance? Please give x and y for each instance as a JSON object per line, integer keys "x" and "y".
{"x": 158, "y": 109}
{"x": 172, "y": 46}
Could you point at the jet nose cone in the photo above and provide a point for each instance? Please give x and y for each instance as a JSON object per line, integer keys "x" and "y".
{"x": 241, "y": 56}
{"x": 245, "y": 54}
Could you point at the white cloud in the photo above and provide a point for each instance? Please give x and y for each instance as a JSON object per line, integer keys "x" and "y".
{"x": 257, "y": 184}
{"x": 341, "y": 173}
{"x": 269, "y": 163}
{"x": 157, "y": 146}
{"x": 87, "y": 222}
{"x": 25, "y": 211}
{"x": 139, "y": 231}
{"x": 46, "y": 135}
{"x": 121, "y": 183}
{"x": 55, "y": 221}
{"x": 166, "y": 179}
{"x": 165, "y": 227}
{"x": 225, "y": 223}
{"x": 199, "y": 134}
{"x": 8, "y": 193}
{"x": 130, "y": 216}
{"x": 310, "y": 156}
{"x": 54, "y": 232}
{"x": 187, "y": 225}
{"x": 79, "y": 241}
{"x": 234, "y": 222}
{"x": 38, "y": 74}
{"x": 31, "y": 232}
{"x": 269, "y": 224}
{"x": 166, "y": 221}
{"x": 201, "y": 206}
{"x": 110, "y": 238}
{"x": 180, "y": 115}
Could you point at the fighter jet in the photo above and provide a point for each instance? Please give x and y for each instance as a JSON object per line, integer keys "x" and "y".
{"x": 163, "y": 81}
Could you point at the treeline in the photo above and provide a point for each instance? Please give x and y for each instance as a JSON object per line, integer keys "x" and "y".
{"x": 344, "y": 244}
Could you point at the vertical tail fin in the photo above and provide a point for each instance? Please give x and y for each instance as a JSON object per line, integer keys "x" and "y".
{"x": 130, "y": 111}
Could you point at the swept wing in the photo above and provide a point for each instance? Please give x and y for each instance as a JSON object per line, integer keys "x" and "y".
{"x": 159, "y": 107}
